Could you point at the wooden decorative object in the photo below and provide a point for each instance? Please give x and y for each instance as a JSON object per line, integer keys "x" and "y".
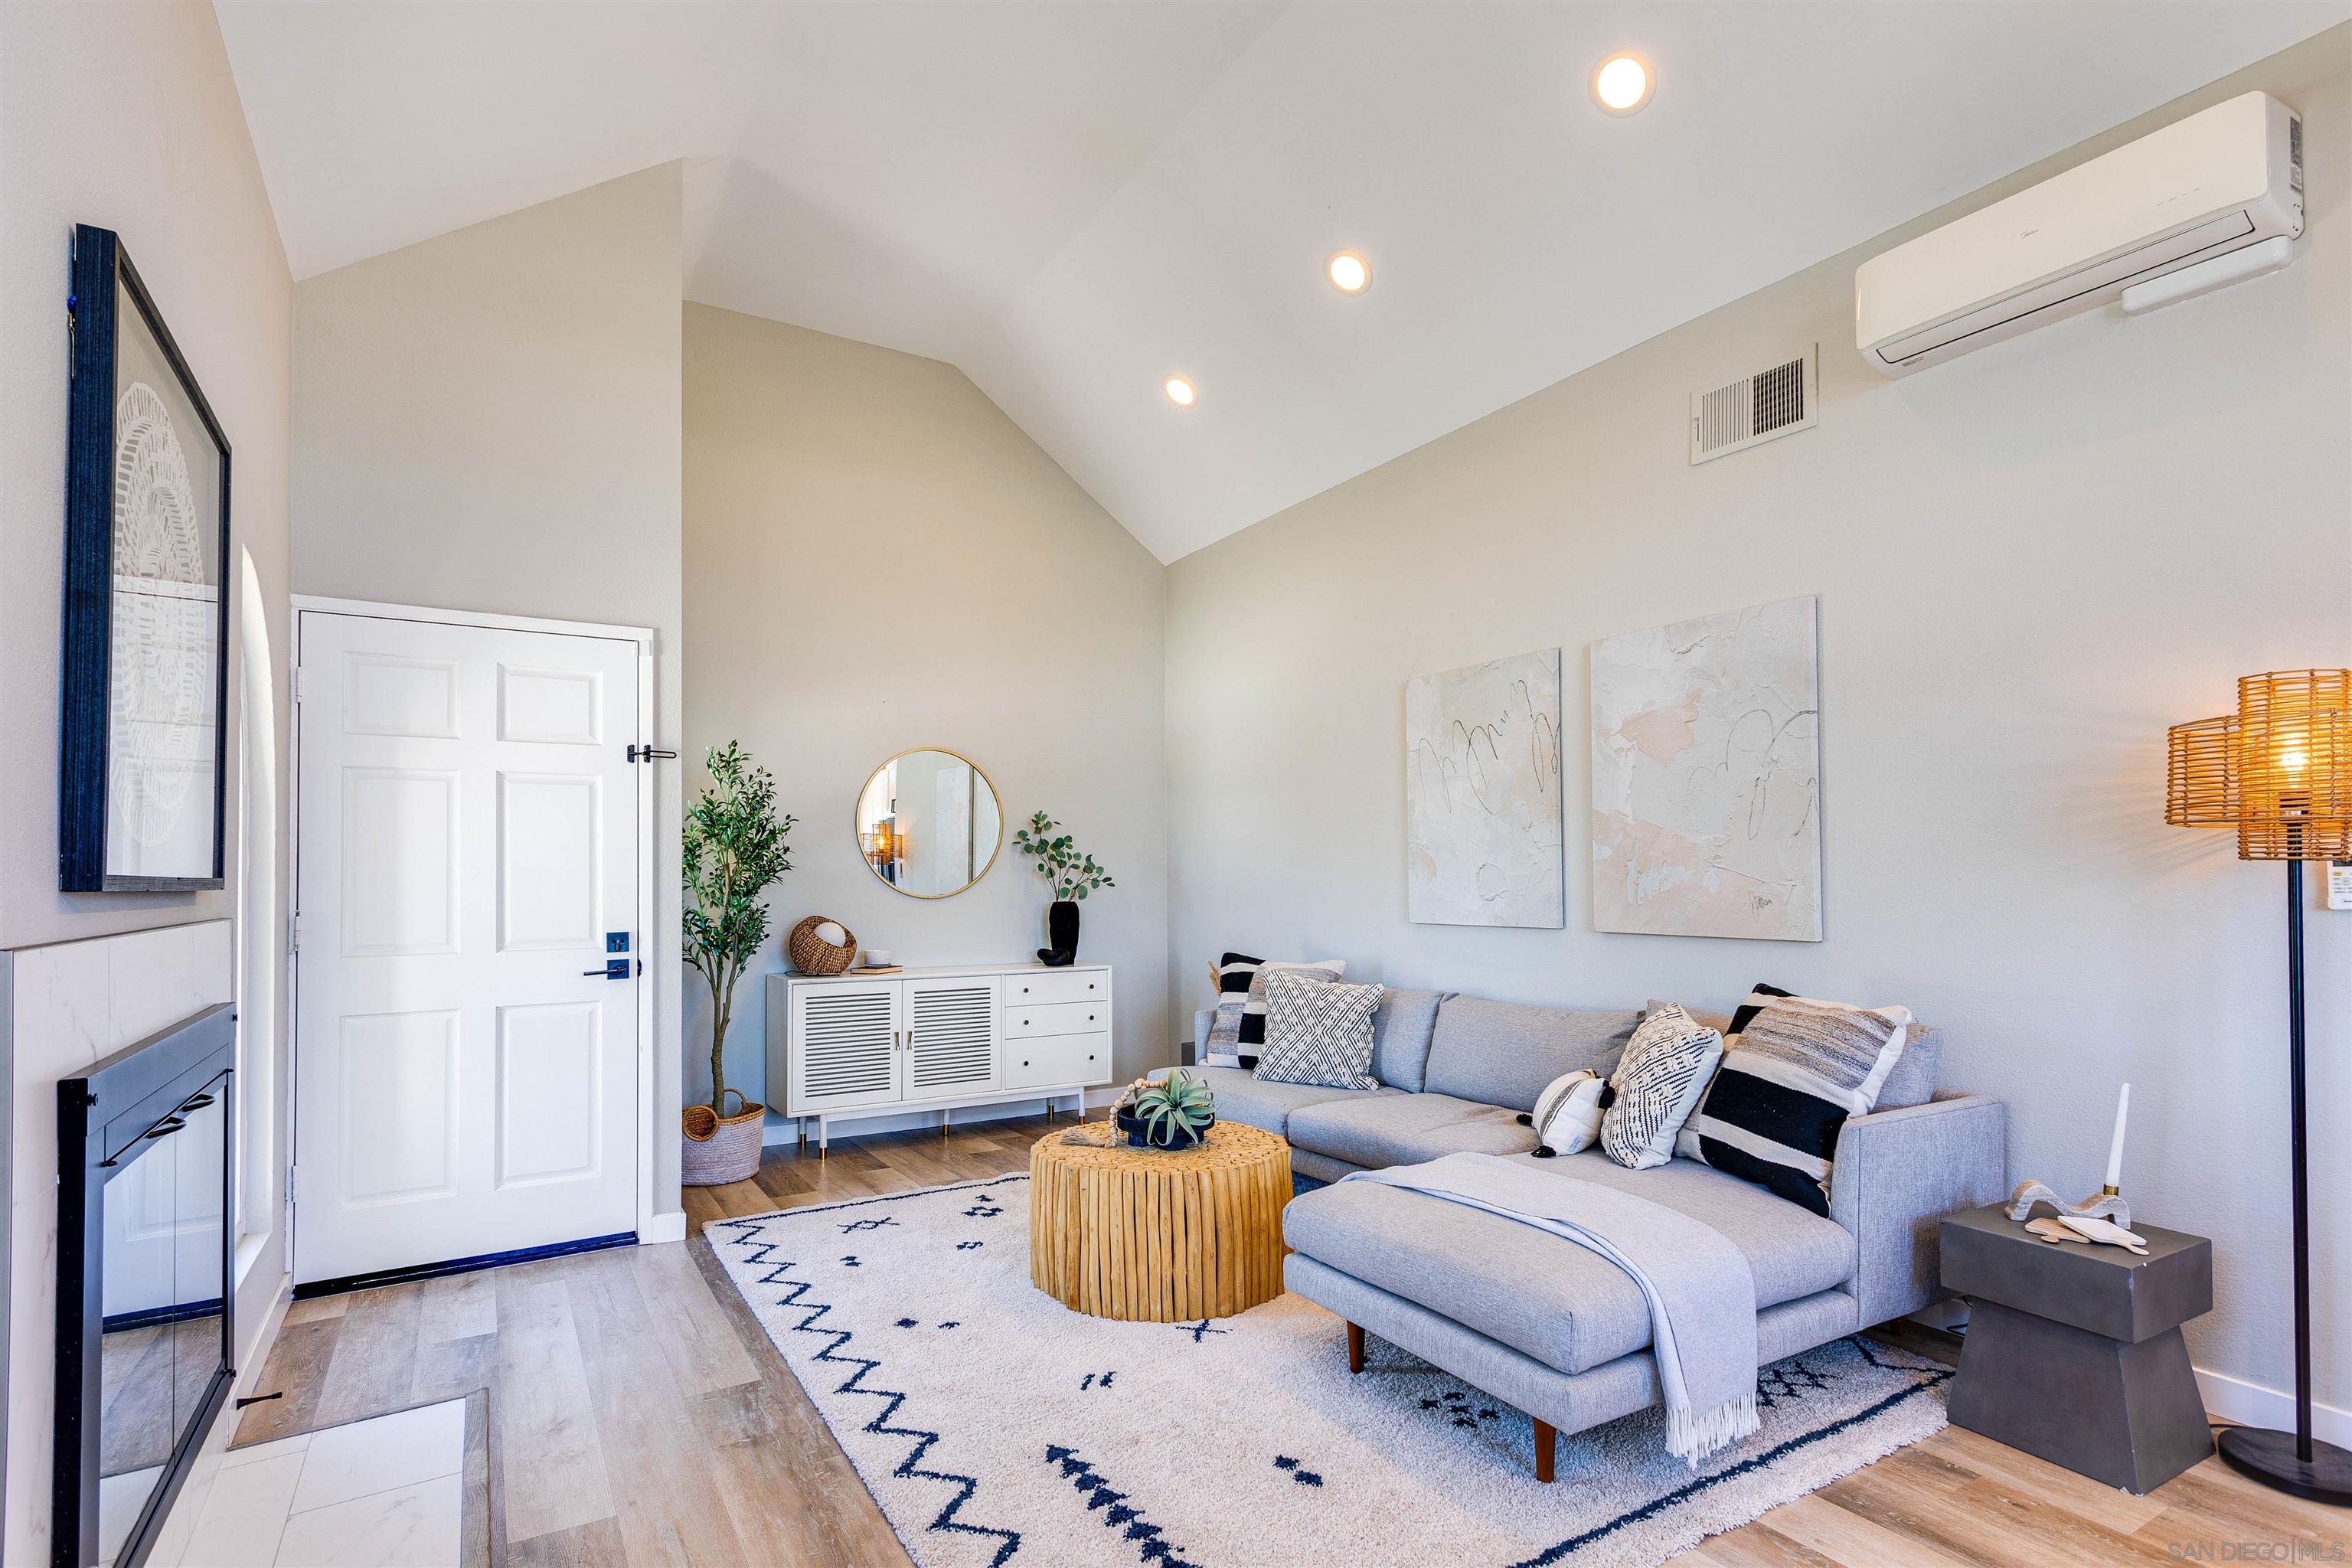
{"x": 2101, "y": 1205}
{"x": 822, "y": 959}
{"x": 1159, "y": 1236}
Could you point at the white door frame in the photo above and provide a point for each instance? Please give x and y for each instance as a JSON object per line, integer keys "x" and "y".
{"x": 312, "y": 604}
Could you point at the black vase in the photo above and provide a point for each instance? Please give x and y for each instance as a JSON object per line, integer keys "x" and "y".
{"x": 1139, "y": 1137}
{"x": 1061, "y": 927}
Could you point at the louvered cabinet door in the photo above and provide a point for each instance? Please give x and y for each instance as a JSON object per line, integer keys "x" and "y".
{"x": 951, "y": 1027}
{"x": 844, "y": 1045}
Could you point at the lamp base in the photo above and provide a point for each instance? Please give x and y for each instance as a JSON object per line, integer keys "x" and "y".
{"x": 2269, "y": 1457}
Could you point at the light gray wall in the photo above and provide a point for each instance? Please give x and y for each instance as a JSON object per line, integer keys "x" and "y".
{"x": 127, "y": 117}
{"x": 877, "y": 560}
{"x": 489, "y": 420}
{"x": 2030, "y": 561}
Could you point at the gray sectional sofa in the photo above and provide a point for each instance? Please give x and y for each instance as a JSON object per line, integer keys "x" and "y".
{"x": 1538, "y": 1321}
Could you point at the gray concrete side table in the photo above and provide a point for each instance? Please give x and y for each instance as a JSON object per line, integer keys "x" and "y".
{"x": 2073, "y": 1352}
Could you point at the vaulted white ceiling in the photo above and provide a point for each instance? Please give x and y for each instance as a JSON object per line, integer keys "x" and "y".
{"x": 1074, "y": 201}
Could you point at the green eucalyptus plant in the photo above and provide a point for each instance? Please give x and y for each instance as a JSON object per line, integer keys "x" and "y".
{"x": 1178, "y": 1104}
{"x": 735, "y": 851}
{"x": 1072, "y": 874}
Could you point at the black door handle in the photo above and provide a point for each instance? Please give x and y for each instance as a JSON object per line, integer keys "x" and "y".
{"x": 615, "y": 969}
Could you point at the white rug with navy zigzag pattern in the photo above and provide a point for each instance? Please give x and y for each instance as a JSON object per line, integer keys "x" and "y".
{"x": 996, "y": 1428}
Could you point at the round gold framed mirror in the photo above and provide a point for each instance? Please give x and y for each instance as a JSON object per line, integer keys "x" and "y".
{"x": 928, "y": 824}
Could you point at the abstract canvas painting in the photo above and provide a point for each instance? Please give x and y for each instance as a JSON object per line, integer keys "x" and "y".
{"x": 1482, "y": 794}
{"x": 1707, "y": 812}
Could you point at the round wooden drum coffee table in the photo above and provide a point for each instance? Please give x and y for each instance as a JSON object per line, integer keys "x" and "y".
{"x": 1157, "y": 1237}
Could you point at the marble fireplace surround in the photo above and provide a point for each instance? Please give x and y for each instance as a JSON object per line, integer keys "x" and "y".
{"x": 65, "y": 1008}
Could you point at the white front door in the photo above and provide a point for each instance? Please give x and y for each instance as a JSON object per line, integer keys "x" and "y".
{"x": 468, "y": 961}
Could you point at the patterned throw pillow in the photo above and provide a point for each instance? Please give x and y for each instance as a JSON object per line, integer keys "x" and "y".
{"x": 1795, "y": 1071}
{"x": 1664, "y": 1072}
{"x": 1238, "y": 1028}
{"x": 1318, "y": 1031}
{"x": 1567, "y": 1117}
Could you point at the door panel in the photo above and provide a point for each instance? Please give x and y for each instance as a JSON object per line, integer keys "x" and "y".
{"x": 560, "y": 707}
{"x": 466, "y": 1076}
{"x": 387, "y": 695}
{"x": 400, "y": 862}
{"x": 549, "y": 1128}
{"x": 850, "y": 1053}
{"x": 550, "y": 828}
{"x": 950, "y": 1036}
{"x": 398, "y": 1109}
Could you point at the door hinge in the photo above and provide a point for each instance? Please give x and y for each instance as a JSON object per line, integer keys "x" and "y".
{"x": 301, "y": 684}
{"x": 290, "y": 1183}
{"x": 294, "y": 934}
{"x": 648, "y": 754}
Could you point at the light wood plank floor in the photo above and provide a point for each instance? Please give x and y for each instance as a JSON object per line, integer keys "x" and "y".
{"x": 640, "y": 1417}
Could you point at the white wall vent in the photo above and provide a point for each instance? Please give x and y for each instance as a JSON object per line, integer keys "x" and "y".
{"x": 1758, "y": 407}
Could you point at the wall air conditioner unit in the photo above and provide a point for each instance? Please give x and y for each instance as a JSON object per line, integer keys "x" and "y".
{"x": 2221, "y": 181}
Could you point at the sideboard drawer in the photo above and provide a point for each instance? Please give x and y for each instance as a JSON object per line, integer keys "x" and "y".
{"x": 1042, "y": 987}
{"x": 1056, "y": 1058}
{"x": 1023, "y": 1021}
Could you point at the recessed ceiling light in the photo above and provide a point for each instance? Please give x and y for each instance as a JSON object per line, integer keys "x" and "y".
{"x": 1349, "y": 273}
{"x": 1623, "y": 84}
{"x": 1180, "y": 392}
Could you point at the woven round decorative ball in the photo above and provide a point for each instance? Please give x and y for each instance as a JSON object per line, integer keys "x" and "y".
{"x": 1157, "y": 1237}
{"x": 811, "y": 956}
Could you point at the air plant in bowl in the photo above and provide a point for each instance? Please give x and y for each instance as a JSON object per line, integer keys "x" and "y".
{"x": 1177, "y": 1111}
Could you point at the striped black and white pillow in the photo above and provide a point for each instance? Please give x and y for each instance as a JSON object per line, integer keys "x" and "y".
{"x": 1664, "y": 1072}
{"x": 1567, "y": 1117}
{"x": 1796, "y": 1070}
{"x": 1318, "y": 1031}
{"x": 1237, "y": 1030}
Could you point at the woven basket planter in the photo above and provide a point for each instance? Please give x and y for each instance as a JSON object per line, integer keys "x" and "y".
{"x": 721, "y": 1149}
{"x": 821, "y": 959}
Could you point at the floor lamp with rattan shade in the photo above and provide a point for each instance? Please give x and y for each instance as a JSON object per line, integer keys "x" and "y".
{"x": 2279, "y": 770}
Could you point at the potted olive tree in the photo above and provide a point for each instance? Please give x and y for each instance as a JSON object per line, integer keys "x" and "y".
{"x": 735, "y": 851}
{"x": 1071, "y": 874}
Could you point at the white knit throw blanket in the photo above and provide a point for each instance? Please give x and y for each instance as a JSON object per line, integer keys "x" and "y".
{"x": 1700, "y": 1291}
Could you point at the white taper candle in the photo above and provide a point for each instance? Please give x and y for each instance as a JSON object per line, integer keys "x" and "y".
{"x": 2115, "y": 1149}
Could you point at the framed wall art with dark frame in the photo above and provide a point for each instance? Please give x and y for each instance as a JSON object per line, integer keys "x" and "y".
{"x": 144, "y": 745}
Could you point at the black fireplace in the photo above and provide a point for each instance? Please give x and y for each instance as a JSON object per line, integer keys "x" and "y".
{"x": 145, "y": 1159}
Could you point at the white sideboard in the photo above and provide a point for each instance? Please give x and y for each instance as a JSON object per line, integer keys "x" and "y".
{"x": 857, "y": 1045}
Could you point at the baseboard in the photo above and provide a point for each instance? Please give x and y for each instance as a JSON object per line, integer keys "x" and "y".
{"x": 2251, "y": 1404}
{"x": 670, "y": 1226}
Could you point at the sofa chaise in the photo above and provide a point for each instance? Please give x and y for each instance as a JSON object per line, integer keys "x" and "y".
{"x": 1538, "y": 1321}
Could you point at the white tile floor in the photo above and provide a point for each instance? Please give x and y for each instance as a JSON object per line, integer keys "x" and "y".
{"x": 383, "y": 1493}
